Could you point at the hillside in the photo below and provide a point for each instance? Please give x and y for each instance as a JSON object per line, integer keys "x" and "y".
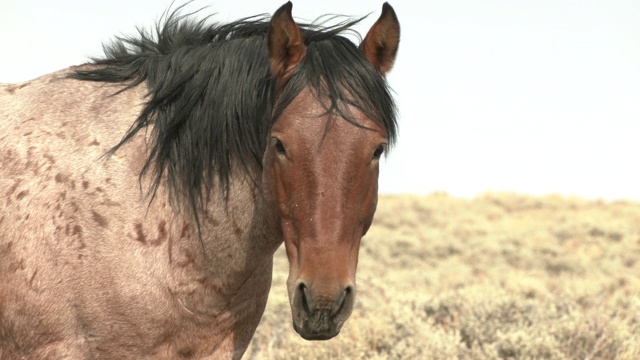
{"x": 499, "y": 277}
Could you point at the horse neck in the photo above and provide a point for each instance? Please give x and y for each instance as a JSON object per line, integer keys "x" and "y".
{"x": 238, "y": 230}
{"x": 231, "y": 261}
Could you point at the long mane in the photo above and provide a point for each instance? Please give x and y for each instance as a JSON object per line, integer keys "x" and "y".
{"x": 212, "y": 100}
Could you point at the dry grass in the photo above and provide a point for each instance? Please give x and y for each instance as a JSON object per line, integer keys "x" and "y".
{"x": 500, "y": 277}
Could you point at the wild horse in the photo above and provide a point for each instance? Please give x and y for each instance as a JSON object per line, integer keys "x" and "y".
{"x": 144, "y": 193}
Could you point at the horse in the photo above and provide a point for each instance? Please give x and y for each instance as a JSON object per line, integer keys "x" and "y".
{"x": 145, "y": 192}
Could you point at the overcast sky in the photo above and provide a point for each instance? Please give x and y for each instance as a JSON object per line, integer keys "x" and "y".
{"x": 533, "y": 97}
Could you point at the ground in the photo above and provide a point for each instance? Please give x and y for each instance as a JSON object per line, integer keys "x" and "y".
{"x": 502, "y": 276}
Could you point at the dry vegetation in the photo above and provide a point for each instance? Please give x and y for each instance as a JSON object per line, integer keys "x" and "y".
{"x": 500, "y": 277}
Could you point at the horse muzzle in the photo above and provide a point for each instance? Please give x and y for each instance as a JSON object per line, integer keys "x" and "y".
{"x": 318, "y": 315}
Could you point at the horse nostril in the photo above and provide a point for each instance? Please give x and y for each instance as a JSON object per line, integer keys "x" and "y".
{"x": 346, "y": 298}
{"x": 304, "y": 298}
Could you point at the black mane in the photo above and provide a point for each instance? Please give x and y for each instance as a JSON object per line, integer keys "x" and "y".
{"x": 212, "y": 98}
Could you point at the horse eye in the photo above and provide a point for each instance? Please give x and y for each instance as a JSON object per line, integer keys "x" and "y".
{"x": 280, "y": 148}
{"x": 378, "y": 153}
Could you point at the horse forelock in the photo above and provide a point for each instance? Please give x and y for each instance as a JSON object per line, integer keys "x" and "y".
{"x": 212, "y": 100}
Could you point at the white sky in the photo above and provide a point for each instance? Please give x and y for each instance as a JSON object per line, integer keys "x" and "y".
{"x": 533, "y": 97}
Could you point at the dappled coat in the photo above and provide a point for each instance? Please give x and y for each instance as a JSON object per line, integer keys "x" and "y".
{"x": 143, "y": 195}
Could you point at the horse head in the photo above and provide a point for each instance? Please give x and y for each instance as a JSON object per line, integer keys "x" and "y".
{"x": 322, "y": 158}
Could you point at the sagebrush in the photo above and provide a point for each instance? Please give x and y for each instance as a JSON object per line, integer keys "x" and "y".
{"x": 502, "y": 276}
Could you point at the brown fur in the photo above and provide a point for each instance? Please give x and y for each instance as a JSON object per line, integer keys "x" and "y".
{"x": 327, "y": 191}
{"x": 380, "y": 45}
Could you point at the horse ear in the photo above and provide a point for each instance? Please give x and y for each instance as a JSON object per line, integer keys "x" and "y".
{"x": 285, "y": 43}
{"x": 381, "y": 43}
